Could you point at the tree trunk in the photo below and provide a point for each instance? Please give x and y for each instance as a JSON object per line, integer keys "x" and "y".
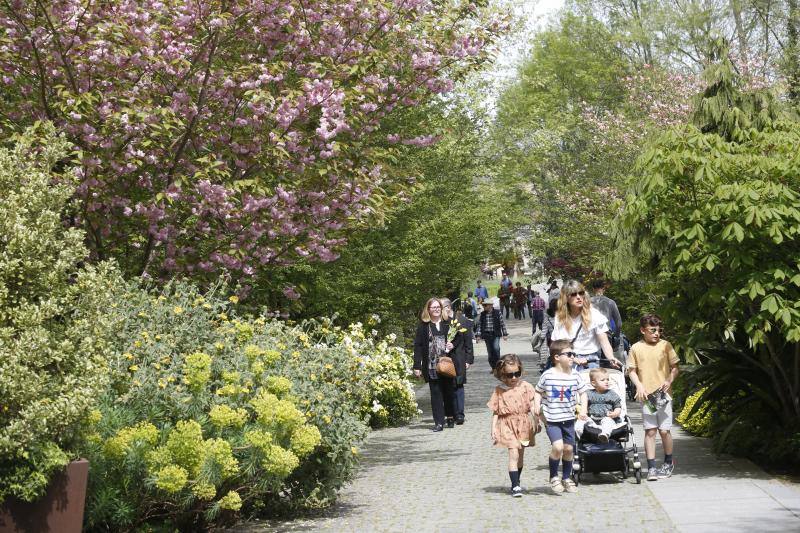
{"x": 736, "y": 9}
{"x": 792, "y": 51}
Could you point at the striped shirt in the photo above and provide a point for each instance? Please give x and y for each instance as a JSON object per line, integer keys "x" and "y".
{"x": 560, "y": 394}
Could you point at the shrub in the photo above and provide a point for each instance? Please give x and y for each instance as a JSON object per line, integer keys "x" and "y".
{"x": 54, "y": 318}
{"x": 697, "y": 420}
{"x": 250, "y": 414}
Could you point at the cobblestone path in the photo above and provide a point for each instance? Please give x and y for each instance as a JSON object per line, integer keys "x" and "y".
{"x": 412, "y": 479}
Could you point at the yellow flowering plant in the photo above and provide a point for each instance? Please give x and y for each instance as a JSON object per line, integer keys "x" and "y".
{"x": 208, "y": 416}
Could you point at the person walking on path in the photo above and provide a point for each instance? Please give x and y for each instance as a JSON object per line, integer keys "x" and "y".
{"x": 520, "y": 301}
{"x": 463, "y": 355}
{"x": 538, "y": 306}
{"x": 653, "y": 367}
{"x": 545, "y": 336}
{"x": 557, "y": 394}
{"x": 491, "y": 328}
{"x": 480, "y": 292}
{"x": 553, "y": 292}
{"x": 609, "y": 308}
{"x": 512, "y": 427}
{"x": 585, "y": 327}
{"x": 430, "y": 342}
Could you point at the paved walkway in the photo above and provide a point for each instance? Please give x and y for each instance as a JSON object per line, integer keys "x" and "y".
{"x": 414, "y": 480}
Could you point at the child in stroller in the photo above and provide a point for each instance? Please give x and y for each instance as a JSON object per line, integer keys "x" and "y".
{"x": 606, "y": 445}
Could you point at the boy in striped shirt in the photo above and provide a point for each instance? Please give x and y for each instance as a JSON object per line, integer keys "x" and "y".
{"x": 558, "y": 392}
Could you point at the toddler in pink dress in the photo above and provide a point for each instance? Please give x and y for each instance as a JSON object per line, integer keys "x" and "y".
{"x": 512, "y": 424}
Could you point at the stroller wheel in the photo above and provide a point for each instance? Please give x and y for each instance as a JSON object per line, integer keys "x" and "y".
{"x": 638, "y": 474}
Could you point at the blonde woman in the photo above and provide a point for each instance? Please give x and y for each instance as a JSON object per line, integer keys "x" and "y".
{"x": 430, "y": 342}
{"x": 585, "y": 327}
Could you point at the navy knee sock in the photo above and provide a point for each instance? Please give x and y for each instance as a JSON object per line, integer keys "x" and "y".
{"x": 514, "y": 475}
{"x": 567, "y": 468}
{"x": 668, "y": 458}
{"x": 553, "y": 467}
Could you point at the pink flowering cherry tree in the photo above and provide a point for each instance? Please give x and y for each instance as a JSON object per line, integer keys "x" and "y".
{"x": 232, "y": 135}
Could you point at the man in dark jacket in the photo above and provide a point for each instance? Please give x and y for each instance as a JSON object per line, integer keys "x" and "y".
{"x": 492, "y": 327}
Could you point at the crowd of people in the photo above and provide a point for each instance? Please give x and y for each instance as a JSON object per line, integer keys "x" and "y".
{"x": 571, "y": 331}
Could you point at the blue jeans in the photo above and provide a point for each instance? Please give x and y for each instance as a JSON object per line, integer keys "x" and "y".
{"x": 493, "y": 349}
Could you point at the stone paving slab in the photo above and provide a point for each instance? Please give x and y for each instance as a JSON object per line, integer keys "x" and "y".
{"x": 412, "y": 479}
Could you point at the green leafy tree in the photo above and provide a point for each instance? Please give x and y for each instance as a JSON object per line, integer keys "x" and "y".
{"x": 714, "y": 216}
{"x": 54, "y": 317}
{"x": 544, "y": 143}
{"x": 448, "y": 226}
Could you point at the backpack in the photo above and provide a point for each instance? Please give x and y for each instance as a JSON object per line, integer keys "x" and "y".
{"x": 613, "y": 335}
{"x": 468, "y": 310}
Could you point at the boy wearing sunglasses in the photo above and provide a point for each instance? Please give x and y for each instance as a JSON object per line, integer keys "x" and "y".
{"x": 653, "y": 366}
{"x": 558, "y": 392}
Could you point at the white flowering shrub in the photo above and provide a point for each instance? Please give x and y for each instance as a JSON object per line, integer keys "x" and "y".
{"x": 209, "y": 413}
{"x": 55, "y": 316}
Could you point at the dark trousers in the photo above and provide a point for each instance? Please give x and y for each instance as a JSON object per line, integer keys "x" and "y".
{"x": 458, "y": 401}
{"x": 519, "y": 312}
{"x": 442, "y": 399}
{"x": 537, "y": 317}
{"x": 493, "y": 349}
{"x": 505, "y": 305}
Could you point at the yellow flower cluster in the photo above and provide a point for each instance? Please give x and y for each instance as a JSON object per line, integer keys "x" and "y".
{"x": 278, "y": 385}
{"x": 218, "y": 452}
{"x": 244, "y": 331}
{"x": 258, "y": 438}
{"x": 185, "y": 445}
{"x": 304, "y": 439}
{"x": 197, "y": 370}
{"x": 204, "y": 490}
{"x": 271, "y": 411}
{"x": 117, "y": 446}
{"x": 231, "y": 501}
{"x": 280, "y": 462}
{"x": 223, "y": 416}
{"x": 171, "y": 478}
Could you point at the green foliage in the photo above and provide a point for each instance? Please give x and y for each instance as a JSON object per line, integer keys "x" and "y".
{"x": 54, "y": 317}
{"x": 209, "y": 414}
{"x": 714, "y": 219}
{"x": 544, "y": 144}
{"x": 457, "y": 217}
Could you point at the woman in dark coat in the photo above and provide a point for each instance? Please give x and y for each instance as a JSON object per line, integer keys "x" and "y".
{"x": 430, "y": 342}
{"x": 463, "y": 355}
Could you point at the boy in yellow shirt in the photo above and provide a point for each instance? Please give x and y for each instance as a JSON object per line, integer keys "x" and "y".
{"x": 653, "y": 366}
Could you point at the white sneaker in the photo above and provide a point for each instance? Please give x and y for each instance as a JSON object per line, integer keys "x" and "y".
{"x": 570, "y": 486}
{"x": 652, "y": 474}
{"x": 556, "y": 485}
{"x": 516, "y": 492}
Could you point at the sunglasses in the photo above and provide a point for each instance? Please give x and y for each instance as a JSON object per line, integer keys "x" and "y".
{"x": 434, "y": 307}
{"x": 655, "y": 330}
{"x": 579, "y": 293}
{"x": 568, "y": 354}
{"x": 510, "y": 375}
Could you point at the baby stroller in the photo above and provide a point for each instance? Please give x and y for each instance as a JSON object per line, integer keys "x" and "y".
{"x": 619, "y": 454}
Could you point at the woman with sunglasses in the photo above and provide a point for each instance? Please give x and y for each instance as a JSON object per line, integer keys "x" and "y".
{"x": 583, "y": 326}
{"x": 430, "y": 342}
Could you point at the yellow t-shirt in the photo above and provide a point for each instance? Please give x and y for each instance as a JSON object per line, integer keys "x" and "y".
{"x": 652, "y": 363}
